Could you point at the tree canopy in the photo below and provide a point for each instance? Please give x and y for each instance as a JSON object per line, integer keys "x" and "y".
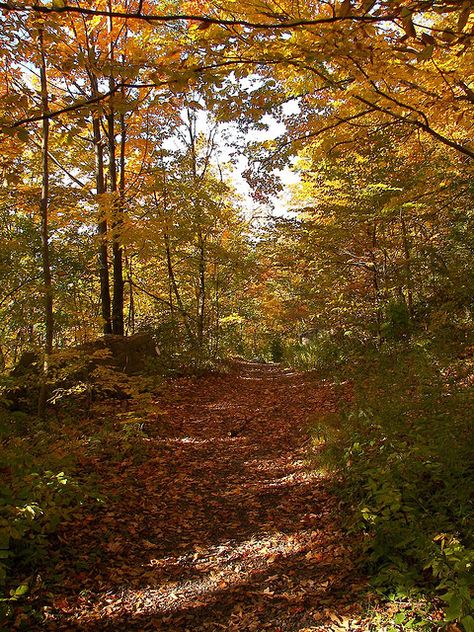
{"x": 127, "y": 128}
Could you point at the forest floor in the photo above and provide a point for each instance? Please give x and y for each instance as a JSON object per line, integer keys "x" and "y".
{"x": 221, "y": 524}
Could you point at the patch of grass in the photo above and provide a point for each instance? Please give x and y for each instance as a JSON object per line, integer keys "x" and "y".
{"x": 326, "y": 352}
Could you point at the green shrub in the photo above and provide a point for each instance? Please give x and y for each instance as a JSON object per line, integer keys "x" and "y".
{"x": 326, "y": 352}
{"x": 276, "y": 350}
{"x": 397, "y": 323}
{"x": 30, "y": 509}
{"x": 38, "y": 491}
{"x": 404, "y": 448}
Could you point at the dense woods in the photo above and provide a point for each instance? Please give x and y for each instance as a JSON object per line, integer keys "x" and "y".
{"x": 151, "y": 241}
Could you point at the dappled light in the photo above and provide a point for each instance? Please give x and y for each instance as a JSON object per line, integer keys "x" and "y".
{"x": 236, "y": 315}
{"x": 213, "y": 531}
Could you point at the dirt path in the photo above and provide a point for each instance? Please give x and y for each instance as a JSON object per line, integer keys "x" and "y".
{"x": 220, "y": 526}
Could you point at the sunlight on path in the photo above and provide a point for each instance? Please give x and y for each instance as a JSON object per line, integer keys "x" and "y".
{"x": 222, "y": 526}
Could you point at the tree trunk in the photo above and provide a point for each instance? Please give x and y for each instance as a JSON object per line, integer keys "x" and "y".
{"x": 102, "y": 228}
{"x": 217, "y": 311}
{"x": 407, "y": 255}
{"x": 174, "y": 286}
{"x": 117, "y": 263}
{"x": 131, "y": 302}
{"x": 117, "y": 254}
{"x": 45, "y": 254}
{"x": 201, "y": 302}
{"x": 376, "y": 285}
{"x": 201, "y": 290}
{"x": 118, "y": 210}
{"x": 174, "y": 289}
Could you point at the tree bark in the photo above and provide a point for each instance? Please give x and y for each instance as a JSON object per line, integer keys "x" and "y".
{"x": 117, "y": 254}
{"x": 375, "y": 280}
{"x": 44, "y": 215}
{"x": 201, "y": 302}
{"x": 131, "y": 302}
{"x": 217, "y": 310}
{"x": 102, "y": 229}
{"x": 174, "y": 289}
{"x": 407, "y": 255}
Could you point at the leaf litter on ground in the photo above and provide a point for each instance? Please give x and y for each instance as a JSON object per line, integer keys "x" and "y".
{"x": 217, "y": 523}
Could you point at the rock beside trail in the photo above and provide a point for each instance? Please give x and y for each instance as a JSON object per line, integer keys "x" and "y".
{"x": 130, "y": 355}
{"x": 27, "y": 364}
{"x": 83, "y": 364}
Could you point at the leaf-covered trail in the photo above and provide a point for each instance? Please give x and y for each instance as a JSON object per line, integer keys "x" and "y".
{"x": 221, "y": 526}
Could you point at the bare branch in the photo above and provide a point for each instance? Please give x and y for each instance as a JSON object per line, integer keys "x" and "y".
{"x": 202, "y": 19}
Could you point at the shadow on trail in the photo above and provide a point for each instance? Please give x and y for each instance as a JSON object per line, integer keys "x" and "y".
{"x": 284, "y": 596}
{"x": 222, "y": 526}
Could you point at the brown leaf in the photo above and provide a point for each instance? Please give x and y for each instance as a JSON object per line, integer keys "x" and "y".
{"x": 346, "y": 8}
{"x": 464, "y": 15}
{"x": 408, "y": 26}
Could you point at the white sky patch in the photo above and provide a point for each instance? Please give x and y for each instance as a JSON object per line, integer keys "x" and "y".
{"x": 278, "y": 205}
{"x": 282, "y": 203}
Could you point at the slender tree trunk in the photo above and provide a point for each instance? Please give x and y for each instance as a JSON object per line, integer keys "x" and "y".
{"x": 174, "y": 289}
{"x": 218, "y": 314}
{"x": 177, "y": 294}
{"x": 201, "y": 302}
{"x": 131, "y": 303}
{"x": 201, "y": 289}
{"x": 407, "y": 255}
{"x": 375, "y": 280}
{"x": 171, "y": 281}
{"x": 118, "y": 251}
{"x": 117, "y": 263}
{"x": 44, "y": 214}
{"x": 102, "y": 228}
{"x": 117, "y": 254}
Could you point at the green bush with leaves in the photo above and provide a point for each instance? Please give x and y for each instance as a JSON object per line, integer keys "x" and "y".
{"x": 397, "y": 322}
{"x": 38, "y": 491}
{"x": 325, "y": 352}
{"x": 30, "y": 510}
{"x": 404, "y": 448}
{"x": 276, "y": 350}
{"x": 321, "y": 353}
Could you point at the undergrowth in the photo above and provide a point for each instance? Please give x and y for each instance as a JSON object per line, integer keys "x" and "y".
{"x": 43, "y": 481}
{"x": 39, "y": 489}
{"x": 325, "y": 352}
{"x": 403, "y": 449}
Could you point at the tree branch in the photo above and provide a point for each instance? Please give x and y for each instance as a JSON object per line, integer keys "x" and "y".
{"x": 202, "y": 19}
{"x": 69, "y": 108}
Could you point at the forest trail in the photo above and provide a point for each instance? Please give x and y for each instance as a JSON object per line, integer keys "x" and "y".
{"x": 221, "y": 527}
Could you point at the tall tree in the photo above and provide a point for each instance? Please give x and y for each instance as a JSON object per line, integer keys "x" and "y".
{"x": 44, "y": 214}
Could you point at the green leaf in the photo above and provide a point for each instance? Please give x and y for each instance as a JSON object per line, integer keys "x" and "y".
{"x": 454, "y": 610}
{"x": 446, "y": 596}
{"x": 468, "y": 623}
{"x": 399, "y": 617}
{"x": 20, "y": 591}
